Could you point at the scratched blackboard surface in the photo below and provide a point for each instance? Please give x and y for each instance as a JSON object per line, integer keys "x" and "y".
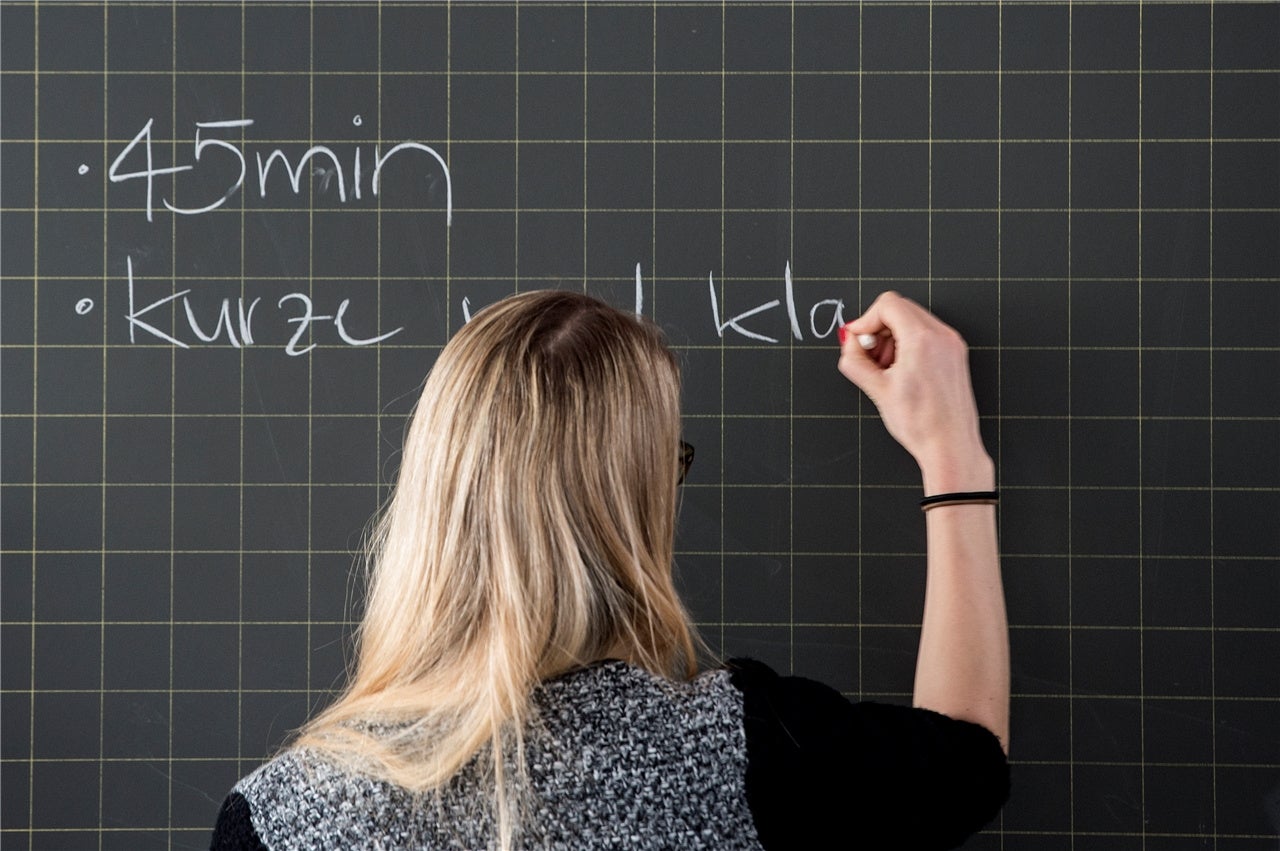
{"x": 235, "y": 236}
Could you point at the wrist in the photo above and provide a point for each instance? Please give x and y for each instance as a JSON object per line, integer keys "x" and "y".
{"x": 958, "y": 472}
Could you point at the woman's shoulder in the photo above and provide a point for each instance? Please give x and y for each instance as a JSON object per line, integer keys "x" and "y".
{"x": 274, "y": 795}
{"x": 300, "y": 799}
{"x": 296, "y": 771}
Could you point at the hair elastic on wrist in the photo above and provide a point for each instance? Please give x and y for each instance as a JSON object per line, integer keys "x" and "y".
{"x": 963, "y": 498}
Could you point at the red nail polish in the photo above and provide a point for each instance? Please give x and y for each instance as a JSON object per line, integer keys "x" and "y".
{"x": 842, "y": 335}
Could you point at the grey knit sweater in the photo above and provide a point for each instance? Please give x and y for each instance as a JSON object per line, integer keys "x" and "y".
{"x": 664, "y": 768}
{"x": 739, "y": 758}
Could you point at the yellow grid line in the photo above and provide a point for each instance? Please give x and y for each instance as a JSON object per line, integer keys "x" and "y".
{"x": 1142, "y": 646}
{"x": 102, "y": 515}
{"x": 173, "y": 424}
{"x": 35, "y": 433}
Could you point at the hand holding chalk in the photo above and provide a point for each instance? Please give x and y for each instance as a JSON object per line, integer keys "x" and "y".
{"x": 867, "y": 341}
{"x": 915, "y": 369}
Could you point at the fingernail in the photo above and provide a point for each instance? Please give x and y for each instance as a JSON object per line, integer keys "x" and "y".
{"x": 842, "y": 335}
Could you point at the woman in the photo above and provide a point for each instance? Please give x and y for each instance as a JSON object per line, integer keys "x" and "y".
{"x": 527, "y": 676}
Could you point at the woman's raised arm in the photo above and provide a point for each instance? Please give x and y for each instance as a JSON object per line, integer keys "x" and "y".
{"x": 917, "y": 374}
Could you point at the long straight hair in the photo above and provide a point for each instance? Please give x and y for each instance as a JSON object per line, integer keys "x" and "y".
{"x": 530, "y": 532}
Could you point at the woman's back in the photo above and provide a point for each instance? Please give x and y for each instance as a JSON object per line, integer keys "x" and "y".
{"x": 619, "y": 758}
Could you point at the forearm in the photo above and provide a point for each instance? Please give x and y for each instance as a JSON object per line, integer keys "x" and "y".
{"x": 963, "y": 665}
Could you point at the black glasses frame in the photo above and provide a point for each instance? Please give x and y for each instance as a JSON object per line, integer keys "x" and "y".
{"x": 686, "y": 460}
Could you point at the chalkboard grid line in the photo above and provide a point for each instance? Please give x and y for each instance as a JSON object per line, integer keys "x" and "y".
{"x": 905, "y": 554}
{"x": 791, "y": 360}
{"x": 383, "y": 490}
{"x": 1213, "y": 576}
{"x": 515, "y": 133}
{"x": 448, "y": 145}
{"x": 35, "y": 433}
{"x": 693, "y": 279}
{"x": 102, "y": 507}
{"x": 723, "y": 126}
{"x": 1043, "y": 556}
{"x": 780, "y": 483}
{"x": 1000, "y": 347}
{"x": 1142, "y": 580}
{"x": 585, "y": 137}
{"x": 622, "y": 4}
{"x": 173, "y": 460}
{"x": 653, "y": 150}
{"x": 623, "y": 278}
{"x": 311, "y": 378}
{"x": 799, "y": 622}
{"x": 727, "y": 72}
{"x": 690, "y": 347}
{"x": 240, "y": 590}
{"x": 1115, "y": 140}
{"x": 861, "y": 402}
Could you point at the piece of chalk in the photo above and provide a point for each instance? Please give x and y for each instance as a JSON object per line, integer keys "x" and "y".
{"x": 868, "y": 341}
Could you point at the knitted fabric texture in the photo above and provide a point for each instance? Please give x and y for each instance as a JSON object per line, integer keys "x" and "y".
{"x": 621, "y": 759}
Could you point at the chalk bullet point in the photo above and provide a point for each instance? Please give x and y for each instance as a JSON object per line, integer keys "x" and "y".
{"x": 84, "y": 169}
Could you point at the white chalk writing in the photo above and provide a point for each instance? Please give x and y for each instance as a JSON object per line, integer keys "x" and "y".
{"x": 789, "y": 296}
{"x": 233, "y": 321}
{"x": 206, "y": 140}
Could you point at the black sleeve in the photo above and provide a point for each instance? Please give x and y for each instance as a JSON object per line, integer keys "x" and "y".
{"x": 234, "y": 830}
{"x": 880, "y": 775}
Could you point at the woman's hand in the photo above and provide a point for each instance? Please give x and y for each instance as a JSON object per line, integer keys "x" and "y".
{"x": 917, "y": 374}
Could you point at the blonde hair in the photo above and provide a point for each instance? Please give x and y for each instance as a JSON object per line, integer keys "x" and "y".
{"x": 530, "y": 532}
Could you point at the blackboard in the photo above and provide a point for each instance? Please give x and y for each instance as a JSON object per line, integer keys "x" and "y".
{"x": 205, "y": 378}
